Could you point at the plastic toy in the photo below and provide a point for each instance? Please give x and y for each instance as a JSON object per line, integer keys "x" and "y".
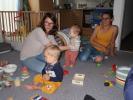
{"x": 24, "y": 73}
{"x": 10, "y": 68}
{"x": 49, "y": 88}
{"x": 114, "y": 68}
{"x": 78, "y": 79}
{"x": 38, "y": 97}
{"x": 108, "y": 83}
{"x": 17, "y": 82}
{"x": 66, "y": 72}
{"x": 98, "y": 64}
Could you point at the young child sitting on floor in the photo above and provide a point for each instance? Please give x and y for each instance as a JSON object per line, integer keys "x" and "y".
{"x": 72, "y": 49}
{"x": 52, "y": 73}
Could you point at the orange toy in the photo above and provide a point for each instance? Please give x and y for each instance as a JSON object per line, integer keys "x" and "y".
{"x": 48, "y": 87}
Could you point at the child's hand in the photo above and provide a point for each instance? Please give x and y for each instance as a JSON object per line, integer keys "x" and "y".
{"x": 46, "y": 77}
{"x": 48, "y": 44}
{"x": 63, "y": 48}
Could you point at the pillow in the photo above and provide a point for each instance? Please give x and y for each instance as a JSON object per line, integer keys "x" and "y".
{"x": 61, "y": 38}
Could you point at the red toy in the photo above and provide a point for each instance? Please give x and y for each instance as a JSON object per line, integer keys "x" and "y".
{"x": 66, "y": 72}
{"x": 114, "y": 68}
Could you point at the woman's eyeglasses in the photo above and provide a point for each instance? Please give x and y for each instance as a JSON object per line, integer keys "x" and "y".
{"x": 106, "y": 18}
{"x": 48, "y": 23}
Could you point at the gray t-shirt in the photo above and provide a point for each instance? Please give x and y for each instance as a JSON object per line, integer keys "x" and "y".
{"x": 35, "y": 43}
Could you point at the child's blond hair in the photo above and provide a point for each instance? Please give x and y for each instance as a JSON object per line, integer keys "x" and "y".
{"x": 53, "y": 50}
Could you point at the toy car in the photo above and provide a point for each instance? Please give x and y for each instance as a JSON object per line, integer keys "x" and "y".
{"x": 38, "y": 97}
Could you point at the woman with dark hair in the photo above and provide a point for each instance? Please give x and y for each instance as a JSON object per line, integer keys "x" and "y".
{"x": 102, "y": 41}
{"x": 42, "y": 36}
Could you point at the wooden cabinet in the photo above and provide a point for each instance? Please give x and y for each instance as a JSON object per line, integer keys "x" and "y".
{"x": 70, "y": 17}
{"x": 46, "y": 5}
{"x": 41, "y": 5}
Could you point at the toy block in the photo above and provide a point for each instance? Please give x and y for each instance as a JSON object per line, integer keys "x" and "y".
{"x": 78, "y": 79}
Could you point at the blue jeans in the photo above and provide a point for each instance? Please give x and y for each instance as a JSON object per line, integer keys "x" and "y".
{"x": 88, "y": 52}
{"x": 35, "y": 63}
{"x": 128, "y": 88}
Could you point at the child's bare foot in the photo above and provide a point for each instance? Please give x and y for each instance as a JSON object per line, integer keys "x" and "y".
{"x": 31, "y": 87}
{"x": 71, "y": 66}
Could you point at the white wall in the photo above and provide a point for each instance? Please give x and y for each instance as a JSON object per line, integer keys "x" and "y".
{"x": 118, "y": 18}
{"x": 9, "y": 5}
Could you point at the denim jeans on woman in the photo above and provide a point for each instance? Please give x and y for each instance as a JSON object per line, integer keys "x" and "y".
{"x": 88, "y": 52}
{"x": 35, "y": 63}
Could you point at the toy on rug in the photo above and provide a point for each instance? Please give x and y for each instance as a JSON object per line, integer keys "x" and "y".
{"x": 17, "y": 82}
{"x": 7, "y": 80}
{"x": 114, "y": 68}
{"x": 10, "y": 69}
{"x": 24, "y": 73}
{"x": 112, "y": 71}
{"x": 66, "y": 72}
{"x": 98, "y": 64}
{"x": 108, "y": 83}
{"x": 8, "y": 83}
{"x": 38, "y": 97}
{"x": 78, "y": 79}
{"x": 50, "y": 87}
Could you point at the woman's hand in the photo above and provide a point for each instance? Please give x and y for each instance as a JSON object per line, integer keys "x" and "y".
{"x": 111, "y": 50}
{"x": 46, "y": 77}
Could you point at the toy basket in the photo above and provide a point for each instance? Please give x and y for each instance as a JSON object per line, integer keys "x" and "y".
{"x": 121, "y": 75}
